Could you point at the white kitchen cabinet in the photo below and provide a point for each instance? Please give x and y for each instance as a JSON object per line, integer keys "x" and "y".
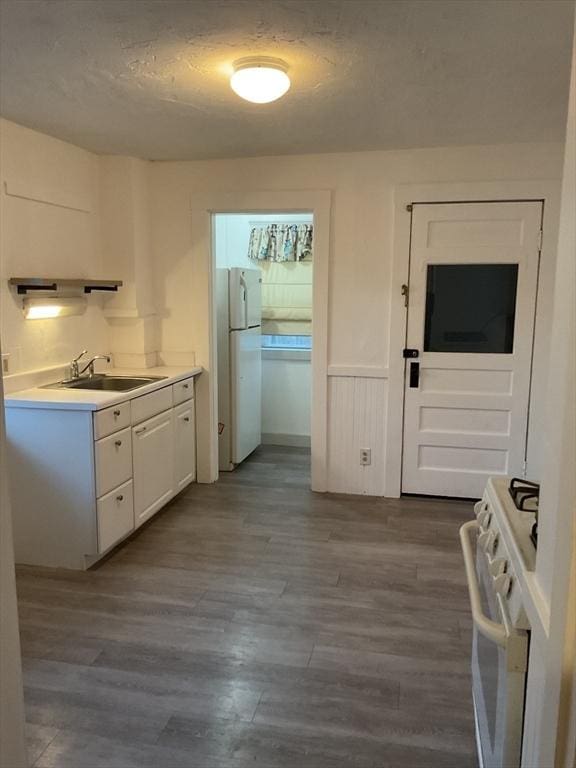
{"x": 184, "y": 445}
{"x": 115, "y": 516}
{"x": 83, "y": 479}
{"x": 52, "y": 486}
{"x": 146, "y": 406}
{"x": 113, "y": 456}
{"x": 153, "y": 462}
{"x": 182, "y": 391}
{"x": 112, "y": 419}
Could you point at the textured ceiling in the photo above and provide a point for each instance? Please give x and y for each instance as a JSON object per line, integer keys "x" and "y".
{"x": 150, "y": 77}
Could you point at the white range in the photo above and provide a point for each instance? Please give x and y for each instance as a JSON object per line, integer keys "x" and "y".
{"x": 498, "y": 552}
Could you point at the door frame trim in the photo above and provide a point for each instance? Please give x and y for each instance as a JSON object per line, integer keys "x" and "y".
{"x": 254, "y": 201}
{"x": 546, "y": 190}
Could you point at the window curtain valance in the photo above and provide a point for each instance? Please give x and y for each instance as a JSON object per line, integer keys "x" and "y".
{"x": 281, "y": 242}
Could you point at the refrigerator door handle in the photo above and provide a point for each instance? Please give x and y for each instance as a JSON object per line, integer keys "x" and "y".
{"x": 244, "y": 299}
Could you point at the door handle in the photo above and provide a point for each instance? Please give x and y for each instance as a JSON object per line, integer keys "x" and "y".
{"x": 414, "y": 375}
{"x": 245, "y": 296}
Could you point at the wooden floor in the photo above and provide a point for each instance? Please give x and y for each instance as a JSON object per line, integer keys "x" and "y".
{"x": 253, "y": 623}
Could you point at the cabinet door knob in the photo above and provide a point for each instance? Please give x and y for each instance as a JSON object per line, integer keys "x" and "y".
{"x": 118, "y": 443}
{"x": 120, "y": 498}
{"x": 116, "y": 413}
{"x": 186, "y": 418}
{"x": 185, "y": 386}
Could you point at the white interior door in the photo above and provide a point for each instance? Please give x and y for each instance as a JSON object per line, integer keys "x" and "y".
{"x": 472, "y": 297}
{"x": 246, "y": 392}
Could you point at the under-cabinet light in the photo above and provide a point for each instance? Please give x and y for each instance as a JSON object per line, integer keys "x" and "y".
{"x": 43, "y": 309}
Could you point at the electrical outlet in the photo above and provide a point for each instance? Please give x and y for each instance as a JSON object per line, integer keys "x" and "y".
{"x": 365, "y": 456}
{"x": 5, "y": 363}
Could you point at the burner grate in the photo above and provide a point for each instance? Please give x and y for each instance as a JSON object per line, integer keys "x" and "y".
{"x": 525, "y": 494}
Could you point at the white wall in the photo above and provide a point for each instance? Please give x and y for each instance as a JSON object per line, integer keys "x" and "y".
{"x": 126, "y": 244}
{"x": 360, "y": 269}
{"x": 50, "y": 216}
{"x": 52, "y": 223}
{"x": 286, "y": 398}
{"x": 549, "y": 701}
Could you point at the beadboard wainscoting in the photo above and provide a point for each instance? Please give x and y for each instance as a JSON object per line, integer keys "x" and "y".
{"x": 357, "y": 407}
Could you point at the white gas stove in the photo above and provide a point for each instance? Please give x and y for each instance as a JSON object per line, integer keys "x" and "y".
{"x": 496, "y": 545}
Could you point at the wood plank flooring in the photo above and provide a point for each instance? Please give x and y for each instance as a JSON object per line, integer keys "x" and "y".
{"x": 254, "y": 623}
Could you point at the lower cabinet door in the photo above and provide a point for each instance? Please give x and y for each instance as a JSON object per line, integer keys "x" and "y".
{"x": 153, "y": 465}
{"x": 184, "y": 445}
{"x": 115, "y": 516}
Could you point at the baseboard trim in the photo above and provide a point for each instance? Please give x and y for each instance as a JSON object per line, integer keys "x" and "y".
{"x": 278, "y": 438}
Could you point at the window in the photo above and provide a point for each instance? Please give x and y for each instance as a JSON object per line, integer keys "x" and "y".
{"x": 470, "y": 308}
{"x": 286, "y": 342}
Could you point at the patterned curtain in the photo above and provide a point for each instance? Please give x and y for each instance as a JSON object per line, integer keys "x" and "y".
{"x": 281, "y": 242}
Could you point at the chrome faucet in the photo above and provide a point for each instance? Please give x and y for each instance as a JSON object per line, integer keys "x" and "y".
{"x": 90, "y": 365}
{"x": 75, "y": 371}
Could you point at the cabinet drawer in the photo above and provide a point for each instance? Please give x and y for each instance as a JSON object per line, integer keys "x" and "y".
{"x": 115, "y": 516}
{"x": 183, "y": 390}
{"x": 149, "y": 405}
{"x": 113, "y": 461}
{"x": 111, "y": 420}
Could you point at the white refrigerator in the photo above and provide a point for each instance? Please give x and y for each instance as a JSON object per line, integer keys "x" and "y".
{"x": 239, "y": 315}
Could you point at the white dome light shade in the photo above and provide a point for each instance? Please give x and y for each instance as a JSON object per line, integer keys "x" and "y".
{"x": 260, "y": 80}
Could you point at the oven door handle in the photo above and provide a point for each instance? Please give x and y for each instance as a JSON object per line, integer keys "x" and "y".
{"x": 490, "y": 629}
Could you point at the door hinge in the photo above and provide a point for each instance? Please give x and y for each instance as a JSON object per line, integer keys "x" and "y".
{"x": 524, "y": 468}
{"x": 405, "y": 292}
{"x": 540, "y": 240}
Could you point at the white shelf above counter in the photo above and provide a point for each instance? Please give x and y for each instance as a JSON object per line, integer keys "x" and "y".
{"x": 95, "y": 400}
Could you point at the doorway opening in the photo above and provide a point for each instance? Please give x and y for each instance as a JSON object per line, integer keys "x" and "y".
{"x": 263, "y": 268}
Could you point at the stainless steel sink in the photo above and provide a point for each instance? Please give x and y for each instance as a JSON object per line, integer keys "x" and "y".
{"x": 105, "y": 383}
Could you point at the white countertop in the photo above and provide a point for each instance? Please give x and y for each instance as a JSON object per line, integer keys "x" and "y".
{"x": 95, "y": 400}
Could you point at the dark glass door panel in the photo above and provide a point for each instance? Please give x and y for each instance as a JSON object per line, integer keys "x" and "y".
{"x": 470, "y": 308}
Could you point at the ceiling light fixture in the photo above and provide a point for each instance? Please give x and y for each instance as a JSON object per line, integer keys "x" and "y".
{"x": 260, "y": 79}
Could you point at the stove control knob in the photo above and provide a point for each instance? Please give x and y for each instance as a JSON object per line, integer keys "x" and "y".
{"x": 497, "y": 566}
{"x": 502, "y": 584}
{"x": 483, "y": 540}
{"x": 484, "y": 519}
{"x": 493, "y": 545}
{"x": 480, "y": 507}
{"x": 487, "y": 541}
